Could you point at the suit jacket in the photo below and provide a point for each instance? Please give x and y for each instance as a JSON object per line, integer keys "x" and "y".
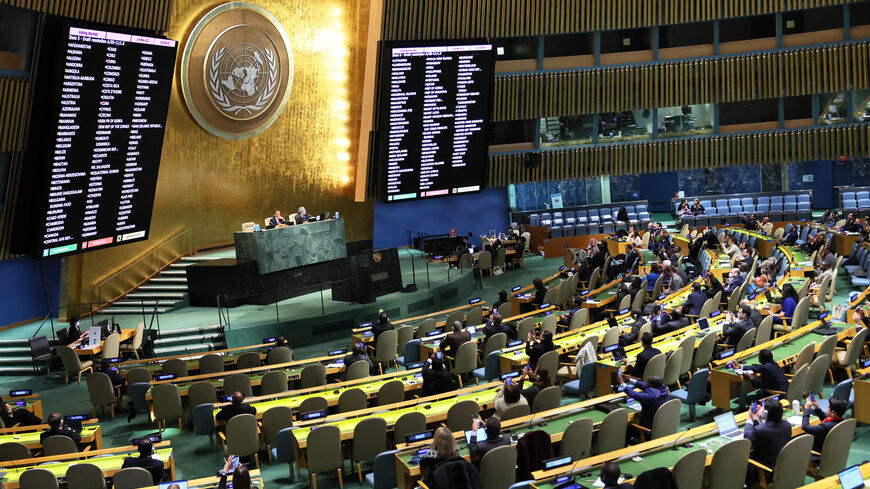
{"x": 153, "y": 465}
{"x": 676, "y": 282}
{"x": 450, "y": 344}
{"x": 379, "y": 328}
{"x": 570, "y": 315}
{"x": 539, "y": 296}
{"x": 736, "y": 329}
{"x": 536, "y": 351}
{"x": 630, "y": 258}
{"x": 819, "y": 431}
{"x": 274, "y": 221}
{"x": 694, "y": 303}
{"x": 649, "y": 398}
{"x": 59, "y": 431}
{"x": 228, "y": 412}
{"x": 477, "y": 449}
{"x": 756, "y": 318}
{"x": 432, "y": 377}
{"x": 300, "y": 218}
{"x": 643, "y": 358}
{"x": 772, "y": 377}
{"x": 767, "y": 440}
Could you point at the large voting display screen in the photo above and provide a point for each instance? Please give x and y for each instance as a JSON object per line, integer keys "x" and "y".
{"x": 434, "y": 112}
{"x": 101, "y": 135}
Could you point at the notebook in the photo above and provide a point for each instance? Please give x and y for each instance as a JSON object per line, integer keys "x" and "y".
{"x": 727, "y": 426}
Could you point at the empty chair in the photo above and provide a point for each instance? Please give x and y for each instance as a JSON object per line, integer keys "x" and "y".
{"x": 314, "y": 375}
{"x": 58, "y": 445}
{"x": 391, "y": 393}
{"x": 242, "y": 437}
{"x": 85, "y": 476}
{"x": 672, "y": 371}
{"x": 490, "y": 369}
{"x": 203, "y": 421}
{"x": 577, "y": 439}
{"x": 845, "y": 360}
{"x": 167, "y": 404}
{"x": 14, "y": 451}
{"x": 201, "y": 393}
{"x": 132, "y": 478}
{"x": 101, "y": 392}
{"x": 111, "y": 346}
{"x": 281, "y": 354}
{"x": 386, "y": 349}
{"x": 460, "y": 414}
{"x": 689, "y": 469}
{"x": 762, "y": 333}
{"x": 211, "y": 364}
{"x": 72, "y": 364}
{"x": 313, "y": 404}
{"x": 728, "y": 468}
{"x": 695, "y": 392}
{"x": 360, "y": 369}
{"x": 273, "y": 383}
{"x": 426, "y": 326}
{"x": 408, "y": 424}
{"x": 371, "y": 436}
{"x": 791, "y": 464}
{"x": 36, "y": 478}
{"x": 352, "y": 400}
{"x": 816, "y": 374}
{"x": 175, "y": 366}
{"x": 249, "y": 359}
{"x": 238, "y": 383}
{"x": 585, "y": 383}
{"x": 797, "y": 385}
{"x": 411, "y": 353}
{"x": 704, "y": 351}
{"x": 655, "y": 367}
{"x": 384, "y": 474}
{"x": 465, "y": 361}
{"x": 498, "y": 467}
{"x": 548, "y": 398}
{"x": 611, "y": 433}
{"x": 138, "y": 374}
{"x": 745, "y": 340}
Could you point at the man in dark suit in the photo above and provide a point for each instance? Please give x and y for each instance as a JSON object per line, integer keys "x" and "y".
{"x": 768, "y": 437}
{"x": 451, "y": 343}
{"x": 495, "y": 326}
{"x": 502, "y": 299}
{"x": 695, "y": 301}
{"x": 494, "y": 439}
{"x": 836, "y": 410}
{"x": 55, "y": 427}
{"x": 610, "y": 473}
{"x": 301, "y": 215}
{"x": 643, "y": 357}
{"x": 237, "y": 406}
{"x": 147, "y": 460}
{"x": 771, "y": 376}
{"x": 11, "y": 415}
{"x": 383, "y": 324}
{"x": 565, "y": 319}
{"x": 737, "y": 327}
{"x": 650, "y": 395}
{"x": 631, "y": 256}
{"x": 436, "y": 377}
{"x": 277, "y": 219}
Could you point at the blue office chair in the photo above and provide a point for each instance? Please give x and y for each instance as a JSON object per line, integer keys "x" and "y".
{"x": 384, "y": 474}
{"x": 284, "y": 448}
{"x": 522, "y": 485}
{"x": 490, "y": 369}
{"x": 585, "y": 383}
{"x": 203, "y": 421}
{"x": 412, "y": 353}
{"x": 843, "y": 390}
{"x": 695, "y": 392}
{"x": 137, "y": 394}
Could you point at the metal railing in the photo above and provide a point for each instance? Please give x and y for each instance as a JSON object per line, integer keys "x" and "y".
{"x": 119, "y": 284}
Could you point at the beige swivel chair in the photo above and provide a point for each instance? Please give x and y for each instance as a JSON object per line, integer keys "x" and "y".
{"x": 517, "y": 411}
{"x": 211, "y": 364}
{"x": 498, "y": 467}
{"x": 14, "y": 451}
{"x": 242, "y": 437}
{"x": 484, "y": 262}
{"x": 36, "y": 478}
{"x": 577, "y": 439}
{"x": 357, "y": 370}
{"x": 791, "y": 464}
{"x": 247, "y": 360}
{"x": 816, "y": 375}
{"x": 324, "y": 453}
{"x": 101, "y": 392}
{"x": 473, "y": 318}
{"x": 274, "y": 420}
{"x": 273, "y": 383}
{"x": 352, "y": 399}
{"x": 282, "y": 354}
{"x": 175, "y": 366}
{"x": 835, "y": 450}
{"x": 548, "y": 398}
{"x": 248, "y": 227}
{"x": 655, "y": 367}
{"x": 689, "y": 469}
{"x": 665, "y": 422}
{"x": 313, "y": 404}
{"x": 313, "y": 375}
{"x": 371, "y": 436}
{"x": 524, "y": 326}
{"x": 85, "y": 476}
{"x": 111, "y": 346}
{"x": 137, "y": 375}
{"x": 201, "y": 392}
{"x": 391, "y": 392}
{"x": 136, "y": 342}
{"x": 408, "y": 424}
{"x": 238, "y": 383}
{"x": 672, "y": 372}
{"x": 611, "y": 433}
{"x": 728, "y": 468}
{"x": 426, "y": 326}
{"x": 167, "y": 404}
{"x": 58, "y": 445}
{"x": 764, "y": 330}
{"x": 460, "y": 414}
{"x": 386, "y": 350}
{"x": 132, "y": 478}
{"x": 846, "y": 359}
{"x": 72, "y": 364}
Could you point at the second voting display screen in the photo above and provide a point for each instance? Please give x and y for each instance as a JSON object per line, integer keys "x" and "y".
{"x": 434, "y": 114}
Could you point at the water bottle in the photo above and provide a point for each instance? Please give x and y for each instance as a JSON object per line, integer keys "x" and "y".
{"x": 796, "y": 406}
{"x": 256, "y": 227}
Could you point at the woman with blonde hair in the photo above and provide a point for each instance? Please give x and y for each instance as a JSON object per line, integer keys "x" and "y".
{"x": 442, "y": 467}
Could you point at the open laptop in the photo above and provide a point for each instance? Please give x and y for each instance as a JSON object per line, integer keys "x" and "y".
{"x": 480, "y": 435}
{"x": 851, "y": 478}
{"x": 727, "y": 426}
{"x": 703, "y": 327}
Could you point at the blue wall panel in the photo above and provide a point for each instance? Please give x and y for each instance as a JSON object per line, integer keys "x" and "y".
{"x": 475, "y": 213}
{"x": 822, "y": 184}
{"x": 23, "y": 289}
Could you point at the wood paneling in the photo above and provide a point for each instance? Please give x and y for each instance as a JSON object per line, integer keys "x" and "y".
{"x": 152, "y": 15}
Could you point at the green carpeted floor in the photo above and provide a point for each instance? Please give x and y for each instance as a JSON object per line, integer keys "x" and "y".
{"x": 194, "y": 458}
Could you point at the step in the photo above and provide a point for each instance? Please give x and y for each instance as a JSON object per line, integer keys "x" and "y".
{"x": 6, "y": 351}
{"x": 197, "y": 258}
{"x": 168, "y": 280}
{"x": 188, "y": 349}
{"x": 161, "y": 288}
{"x": 199, "y": 330}
{"x": 132, "y": 310}
{"x": 170, "y": 296}
{"x": 7, "y": 359}
{"x": 169, "y": 273}
{"x": 190, "y": 339}
{"x": 147, "y": 303}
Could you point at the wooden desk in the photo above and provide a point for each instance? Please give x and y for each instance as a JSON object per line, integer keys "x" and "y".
{"x": 841, "y": 242}
{"x": 32, "y": 403}
{"x": 719, "y": 263}
{"x": 833, "y": 482}
{"x": 799, "y": 262}
{"x": 602, "y": 296}
{"x": 91, "y": 434}
{"x": 126, "y": 334}
{"x": 230, "y": 357}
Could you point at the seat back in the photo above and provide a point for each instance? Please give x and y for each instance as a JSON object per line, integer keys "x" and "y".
{"x": 70, "y": 360}
{"x": 203, "y": 419}
{"x": 798, "y": 384}
{"x": 667, "y": 419}
{"x": 855, "y": 347}
{"x": 211, "y": 364}
{"x": 243, "y": 436}
{"x": 312, "y": 404}
{"x": 387, "y": 347}
{"x": 175, "y": 366}
{"x": 100, "y": 389}
{"x": 762, "y": 333}
{"x": 14, "y": 451}
{"x": 672, "y": 367}
{"x": 549, "y": 361}
{"x": 412, "y": 352}
{"x": 324, "y": 449}
{"x": 688, "y": 348}
{"x": 391, "y": 392}
{"x": 580, "y": 319}
{"x": 460, "y": 414}
{"x": 655, "y": 367}
{"x": 491, "y": 368}
{"x": 577, "y": 439}
{"x": 132, "y": 478}
{"x": 384, "y": 473}
{"x": 408, "y": 424}
{"x": 696, "y": 392}
{"x": 85, "y": 476}
{"x": 357, "y": 370}
{"x": 524, "y": 326}
{"x": 249, "y": 359}
{"x": 466, "y": 358}
{"x": 816, "y": 374}
{"x": 835, "y": 450}
{"x": 352, "y": 399}
{"x": 112, "y": 346}
{"x": 374, "y": 431}
{"x": 498, "y": 467}
{"x": 282, "y": 354}
{"x": 549, "y": 323}
{"x": 58, "y": 445}
{"x": 314, "y": 375}
{"x": 548, "y": 398}
{"x": 611, "y": 433}
{"x": 704, "y": 351}
{"x": 611, "y": 336}
{"x": 689, "y": 469}
{"x": 200, "y": 393}
{"x": 791, "y": 463}
{"x": 517, "y": 411}
{"x": 36, "y": 478}
{"x": 804, "y": 356}
{"x": 426, "y": 326}
{"x": 495, "y": 342}
{"x": 746, "y": 340}
{"x": 728, "y": 468}
{"x": 238, "y": 383}
{"x": 167, "y": 402}
{"x": 273, "y": 383}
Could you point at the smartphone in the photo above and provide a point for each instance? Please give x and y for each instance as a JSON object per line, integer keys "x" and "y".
{"x": 731, "y": 365}
{"x": 438, "y": 354}
{"x": 508, "y": 381}
{"x": 812, "y": 398}
{"x": 754, "y": 406}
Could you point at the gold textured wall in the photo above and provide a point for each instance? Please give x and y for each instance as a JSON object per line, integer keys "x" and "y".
{"x": 213, "y": 185}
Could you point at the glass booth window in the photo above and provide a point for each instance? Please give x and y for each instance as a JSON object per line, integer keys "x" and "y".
{"x": 565, "y": 131}
{"x": 861, "y": 101}
{"x": 624, "y": 126}
{"x": 833, "y": 109}
{"x": 685, "y": 121}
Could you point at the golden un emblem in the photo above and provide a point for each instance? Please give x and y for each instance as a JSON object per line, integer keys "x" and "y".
{"x": 237, "y": 70}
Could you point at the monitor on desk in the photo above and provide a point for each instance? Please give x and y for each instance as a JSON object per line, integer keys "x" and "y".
{"x": 851, "y": 478}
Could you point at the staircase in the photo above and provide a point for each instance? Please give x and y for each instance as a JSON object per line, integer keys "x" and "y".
{"x": 166, "y": 291}
{"x": 190, "y": 340}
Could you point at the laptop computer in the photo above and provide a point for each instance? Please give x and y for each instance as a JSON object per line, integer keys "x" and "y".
{"x": 727, "y": 426}
{"x": 480, "y": 435}
{"x": 851, "y": 478}
{"x": 703, "y": 327}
